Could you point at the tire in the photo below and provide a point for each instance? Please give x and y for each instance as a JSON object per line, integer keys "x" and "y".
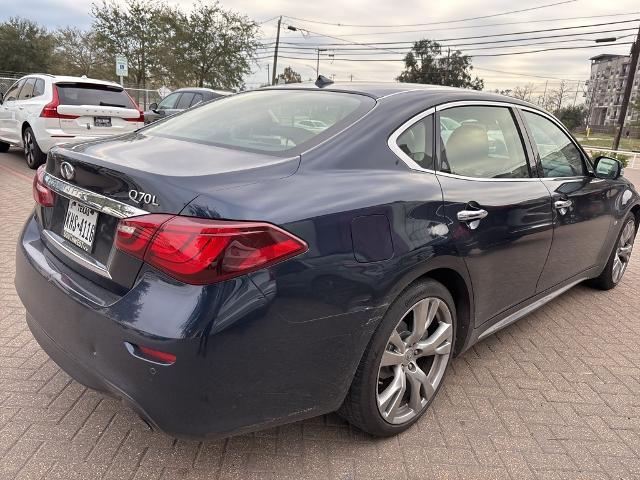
{"x": 4, "y": 147}
{"x": 373, "y": 402}
{"x": 619, "y": 258}
{"x": 32, "y": 153}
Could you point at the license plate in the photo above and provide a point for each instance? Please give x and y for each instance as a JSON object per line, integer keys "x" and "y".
{"x": 102, "y": 121}
{"x": 80, "y": 225}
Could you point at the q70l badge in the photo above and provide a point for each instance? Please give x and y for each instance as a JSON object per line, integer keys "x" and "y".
{"x": 142, "y": 198}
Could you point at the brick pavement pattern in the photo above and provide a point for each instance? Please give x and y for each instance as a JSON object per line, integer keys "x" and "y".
{"x": 554, "y": 396}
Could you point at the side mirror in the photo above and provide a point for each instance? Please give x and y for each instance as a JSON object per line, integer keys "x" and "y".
{"x": 607, "y": 167}
{"x": 153, "y": 106}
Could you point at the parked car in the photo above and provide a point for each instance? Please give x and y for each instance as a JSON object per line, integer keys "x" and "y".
{"x": 40, "y": 111}
{"x": 180, "y": 100}
{"x": 226, "y": 270}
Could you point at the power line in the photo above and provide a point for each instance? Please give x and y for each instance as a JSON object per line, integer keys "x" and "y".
{"x": 460, "y": 38}
{"x": 474, "y": 56}
{"x": 410, "y": 44}
{"x": 442, "y": 22}
{"x": 465, "y": 27}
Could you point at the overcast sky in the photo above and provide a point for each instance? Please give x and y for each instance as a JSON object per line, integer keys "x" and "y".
{"x": 567, "y": 64}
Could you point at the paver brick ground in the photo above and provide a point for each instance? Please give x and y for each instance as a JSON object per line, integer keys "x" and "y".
{"x": 554, "y": 396}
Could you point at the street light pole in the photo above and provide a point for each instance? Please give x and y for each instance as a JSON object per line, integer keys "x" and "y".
{"x": 633, "y": 64}
{"x": 275, "y": 54}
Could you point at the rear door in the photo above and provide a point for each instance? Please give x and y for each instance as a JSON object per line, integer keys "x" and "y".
{"x": 499, "y": 210}
{"x": 581, "y": 213}
{"x": 93, "y": 109}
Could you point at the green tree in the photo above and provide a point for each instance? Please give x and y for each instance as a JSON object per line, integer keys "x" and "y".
{"x": 79, "y": 53}
{"x": 289, "y": 76}
{"x": 214, "y": 47}
{"x": 136, "y": 30}
{"x": 425, "y": 63}
{"x": 25, "y": 46}
{"x": 572, "y": 117}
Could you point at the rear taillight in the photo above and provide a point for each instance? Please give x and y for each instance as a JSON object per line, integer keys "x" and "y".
{"x": 42, "y": 194}
{"x": 139, "y": 118}
{"x": 203, "y": 251}
{"x": 50, "y": 110}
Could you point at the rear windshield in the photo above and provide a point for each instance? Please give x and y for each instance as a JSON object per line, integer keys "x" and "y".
{"x": 92, "y": 94}
{"x": 267, "y": 121}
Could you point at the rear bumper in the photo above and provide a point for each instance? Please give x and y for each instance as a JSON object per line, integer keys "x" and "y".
{"x": 240, "y": 366}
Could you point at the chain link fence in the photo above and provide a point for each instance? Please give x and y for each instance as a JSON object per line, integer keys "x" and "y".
{"x": 6, "y": 82}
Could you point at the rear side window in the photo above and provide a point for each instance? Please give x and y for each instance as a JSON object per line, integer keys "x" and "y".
{"x": 27, "y": 89}
{"x": 93, "y": 94}
{"x": 558, "y": 155}
{"x": 481, "y": 142}
{"x": 267, "y": 121}
{"x": 197, "y": 98}
{"x": 417, "y": 142}
{"x": 38, "y": 88}
{"x": 185, "y": 101}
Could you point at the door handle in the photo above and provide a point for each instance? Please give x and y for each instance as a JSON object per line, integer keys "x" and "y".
{"x": 563, "y": 204}
{"x": 472, "y": 215}
{"x": 20, "y": 108}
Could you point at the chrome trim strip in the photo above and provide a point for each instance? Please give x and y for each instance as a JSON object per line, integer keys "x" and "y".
{"x": 94, "y": 200}
{"x": 391, "y": 142}
{"x": 514, "y": 317}
{"x": 63, "y": 247}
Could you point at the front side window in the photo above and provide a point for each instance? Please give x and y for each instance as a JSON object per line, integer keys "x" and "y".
{"x": 169, "y": 101}
{"x": 266, "y": 121}
{"x": 558, "y": 154}
{"x": 481, "y": 142}
{"x": 417, "y": 142}
{"x": 12, "y": 93}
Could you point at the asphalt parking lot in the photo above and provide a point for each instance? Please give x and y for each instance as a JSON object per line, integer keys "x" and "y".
{"x": 554, "y": 396}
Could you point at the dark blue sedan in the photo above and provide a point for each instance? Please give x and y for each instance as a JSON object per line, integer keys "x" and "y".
{"x": 287, "y": 252}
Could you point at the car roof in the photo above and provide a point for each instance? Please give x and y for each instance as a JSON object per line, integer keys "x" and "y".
{"x": 70, "y": 79}
{"x": 202, "y": 89}
{"x": 436, "y": 93}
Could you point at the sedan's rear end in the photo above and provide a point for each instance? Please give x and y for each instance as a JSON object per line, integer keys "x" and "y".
{"x": 135, "y": 287}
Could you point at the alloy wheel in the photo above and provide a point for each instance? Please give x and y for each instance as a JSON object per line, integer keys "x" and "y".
{"x": 29, "y": 147}
{"x": 623, "y": 251}
{"x": 414, "y": 360}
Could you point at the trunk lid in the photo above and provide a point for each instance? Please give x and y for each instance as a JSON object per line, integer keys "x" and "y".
{"x": 131, "y": 175}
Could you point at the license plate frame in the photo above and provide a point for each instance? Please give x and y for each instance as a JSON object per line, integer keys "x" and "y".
{"x": 80, "y": 225}
{"x": 102, "y": 122}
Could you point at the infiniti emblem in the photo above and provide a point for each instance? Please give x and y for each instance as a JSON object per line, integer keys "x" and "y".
{"x": 67, "y": 171}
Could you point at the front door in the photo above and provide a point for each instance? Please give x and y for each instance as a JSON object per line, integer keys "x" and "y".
{"x": 498, "y": 209}
{"x": 582, "y": 216}
{"x": 8, "y": 129}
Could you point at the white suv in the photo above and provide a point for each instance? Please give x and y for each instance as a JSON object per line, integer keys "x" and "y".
{"x": 40, "y": 111}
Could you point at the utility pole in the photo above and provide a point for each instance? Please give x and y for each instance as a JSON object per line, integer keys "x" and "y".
{"x": 268, "y": 74}
{"x": 544, "y": 95}
{"x": 318, "y": 50}
{"x": 446, "y": 74}
{"x": 351, "y": 77}
{"x": 633, "y": 64}
{"x": 275, "y": 54}
{"x": 575, "y": 99}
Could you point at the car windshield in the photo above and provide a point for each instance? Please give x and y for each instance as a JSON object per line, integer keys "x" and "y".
{"x": 93, "y": 94}
{"x": 268, "y": 121}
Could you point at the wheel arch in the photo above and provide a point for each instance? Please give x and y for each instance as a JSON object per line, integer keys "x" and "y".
{"x": 454, "y": 276}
